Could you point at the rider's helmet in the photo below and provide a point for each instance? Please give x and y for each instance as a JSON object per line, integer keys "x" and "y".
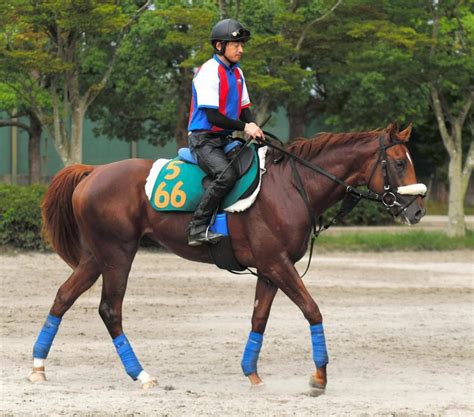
{"x": 228, "y": 30}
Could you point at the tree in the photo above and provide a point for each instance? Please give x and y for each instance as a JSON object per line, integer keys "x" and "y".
{"x": 149, "y": 94}
{"x": 58, "y": 56}
{"x": 405, "y": 62}
{"x": 450, "y": 78}
{"x": 21, "y": 116}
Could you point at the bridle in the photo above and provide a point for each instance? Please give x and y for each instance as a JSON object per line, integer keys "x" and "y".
{"x": 390, "y": 198}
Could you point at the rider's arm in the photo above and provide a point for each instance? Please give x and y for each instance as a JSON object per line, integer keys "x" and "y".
{"x": 218, "y": 119}
{"x": 246, "y": 115}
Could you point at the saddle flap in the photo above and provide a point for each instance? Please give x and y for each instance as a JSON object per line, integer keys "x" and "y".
{"x": 244, "y": 160}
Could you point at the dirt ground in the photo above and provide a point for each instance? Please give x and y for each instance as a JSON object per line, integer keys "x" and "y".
{"x": 399, "y": 328}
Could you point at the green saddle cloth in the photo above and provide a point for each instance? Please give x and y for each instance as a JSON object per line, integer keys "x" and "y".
{"x": 178, "y": 186}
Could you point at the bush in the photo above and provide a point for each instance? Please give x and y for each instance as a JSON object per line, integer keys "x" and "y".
{"x": 20, "y": 216}
{"x": 366, "y": 213}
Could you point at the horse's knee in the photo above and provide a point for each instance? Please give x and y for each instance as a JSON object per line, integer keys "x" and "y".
{"x": 109, "y": 315}
{"x": 62, "y": 301}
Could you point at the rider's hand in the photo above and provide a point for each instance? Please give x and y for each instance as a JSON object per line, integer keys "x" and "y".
{"x": 254, "y": 132}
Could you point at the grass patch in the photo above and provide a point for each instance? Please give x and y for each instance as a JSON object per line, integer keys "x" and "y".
{"x": 388, "y": 241}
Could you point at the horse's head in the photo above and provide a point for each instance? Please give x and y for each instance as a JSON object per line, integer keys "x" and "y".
{"x": 393, "y": 176}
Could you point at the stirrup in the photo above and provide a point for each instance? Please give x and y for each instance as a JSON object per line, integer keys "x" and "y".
{"x": 206, "y": 236}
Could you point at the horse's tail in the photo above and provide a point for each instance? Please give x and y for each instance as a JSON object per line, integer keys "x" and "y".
{"x": 59, "y": 225}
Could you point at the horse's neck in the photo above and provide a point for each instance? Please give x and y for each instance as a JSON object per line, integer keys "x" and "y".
{"x": 351, "y": 162}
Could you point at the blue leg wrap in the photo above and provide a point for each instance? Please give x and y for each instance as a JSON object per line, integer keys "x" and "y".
{"x": 127, "y": 356}
{"x": 46, "y": 337}
{"x": 320, "y": 354}
{"x": 251, "y": 352}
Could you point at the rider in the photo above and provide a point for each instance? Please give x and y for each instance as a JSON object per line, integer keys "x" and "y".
{"x": 220, "y": 105}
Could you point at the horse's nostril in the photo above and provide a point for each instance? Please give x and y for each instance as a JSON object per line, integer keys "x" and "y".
{"x": 419, "y": 214}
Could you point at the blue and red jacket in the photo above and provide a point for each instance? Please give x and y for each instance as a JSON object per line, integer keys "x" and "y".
{"x": 217, "y": 86}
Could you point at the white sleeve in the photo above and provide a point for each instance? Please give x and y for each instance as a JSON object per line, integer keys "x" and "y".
{"x": 206, "y": 84}
{"x": 245, "y": 94}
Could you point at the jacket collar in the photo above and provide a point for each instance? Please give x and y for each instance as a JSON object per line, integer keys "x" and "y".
{"x": 230, "y": 68}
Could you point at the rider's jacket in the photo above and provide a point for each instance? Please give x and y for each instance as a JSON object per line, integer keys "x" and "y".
{"x": 217, "y": 86}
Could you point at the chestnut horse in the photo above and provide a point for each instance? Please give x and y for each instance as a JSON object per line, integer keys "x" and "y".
{"x": 94, "y": 218}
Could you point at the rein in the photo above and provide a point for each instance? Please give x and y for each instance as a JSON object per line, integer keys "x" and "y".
{"x": 352, "y": 197}
{"x": 389, "y": 198}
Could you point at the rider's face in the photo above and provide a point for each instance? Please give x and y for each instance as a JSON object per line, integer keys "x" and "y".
{"x": 234, "y": 51}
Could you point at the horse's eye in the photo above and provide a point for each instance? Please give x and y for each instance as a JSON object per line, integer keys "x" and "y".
{"x": 400, "y": 164}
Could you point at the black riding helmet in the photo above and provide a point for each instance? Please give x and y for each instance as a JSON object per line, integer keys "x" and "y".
{"x": 228, "y": 30}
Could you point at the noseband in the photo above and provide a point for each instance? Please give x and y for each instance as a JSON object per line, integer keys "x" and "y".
{"x": 390, "y": 197}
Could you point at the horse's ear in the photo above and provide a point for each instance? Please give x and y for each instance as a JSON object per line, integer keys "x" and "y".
{"x": 404, "y": 135}
{"x": 392, "y": 130}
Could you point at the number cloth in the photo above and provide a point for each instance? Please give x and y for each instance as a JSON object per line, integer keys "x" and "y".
{"x": 178, "y": 186}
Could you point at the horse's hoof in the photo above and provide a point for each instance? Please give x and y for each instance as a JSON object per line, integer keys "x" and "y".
{"x": 152, "y": 382}
{"x": 258, "y": 387}
{"x": 37, "y": 375}
{"x": 316, "y": 384}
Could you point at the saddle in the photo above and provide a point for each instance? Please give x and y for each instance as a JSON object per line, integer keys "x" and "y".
{"x": 180, "y": 182}
{"x": 177, "y": 185}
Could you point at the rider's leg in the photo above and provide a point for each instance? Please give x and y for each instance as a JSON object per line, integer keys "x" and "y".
{"x": 214, "y": 162}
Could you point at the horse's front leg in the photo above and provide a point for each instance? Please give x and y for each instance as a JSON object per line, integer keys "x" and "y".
{"x": 264, "y": 295}
{"x": 284, "y": 275}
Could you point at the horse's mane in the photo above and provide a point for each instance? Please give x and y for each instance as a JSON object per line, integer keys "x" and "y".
{"x": 305, "y": 148}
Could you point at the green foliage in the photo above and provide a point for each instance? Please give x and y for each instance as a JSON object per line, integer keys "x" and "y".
{"x": 20, "y": 216}
{"x": 366, "y": 213}
{"x": 416, "y": 240}
{"x": 154, "y": 69}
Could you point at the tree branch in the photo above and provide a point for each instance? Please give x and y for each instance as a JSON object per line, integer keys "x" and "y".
{"x": 438, "y": 109}
{"x": 465, "y": 109}
{"x": 10, "y": 122}
{"x": 468, "y": 166}
{"x": 313, "y": 22}
{"x": 95, "y": 89}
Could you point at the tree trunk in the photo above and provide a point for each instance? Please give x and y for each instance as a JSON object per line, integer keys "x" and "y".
{"x": 456, "y": 224}
{"x": 77, "y": 126}
{"x": 260, "y": 111}
{"x": 452, "y": 140}
{"x": 34, "y": 150}
{"x": 184, "y": 98}
{"x": 296, "y": 121}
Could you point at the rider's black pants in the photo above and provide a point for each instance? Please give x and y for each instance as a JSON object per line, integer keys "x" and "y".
{"x": 208, "y": 148}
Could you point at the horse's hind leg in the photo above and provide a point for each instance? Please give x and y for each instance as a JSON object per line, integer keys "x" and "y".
{"x": 83, "y": 277}
{"x": 264, "y": 295}
{"x": 115, "y": 277}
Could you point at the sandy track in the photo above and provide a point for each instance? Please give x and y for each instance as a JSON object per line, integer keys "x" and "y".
{"x": 399, "y": 326}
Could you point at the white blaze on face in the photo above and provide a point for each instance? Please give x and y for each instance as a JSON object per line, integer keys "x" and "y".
{"x": 409, "y": 158}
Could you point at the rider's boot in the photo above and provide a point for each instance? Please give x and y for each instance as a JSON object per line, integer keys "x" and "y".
{"x": 198, "y": 235}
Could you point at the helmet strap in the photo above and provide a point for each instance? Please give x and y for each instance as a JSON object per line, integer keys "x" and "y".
{"x": 222, "y": 50}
